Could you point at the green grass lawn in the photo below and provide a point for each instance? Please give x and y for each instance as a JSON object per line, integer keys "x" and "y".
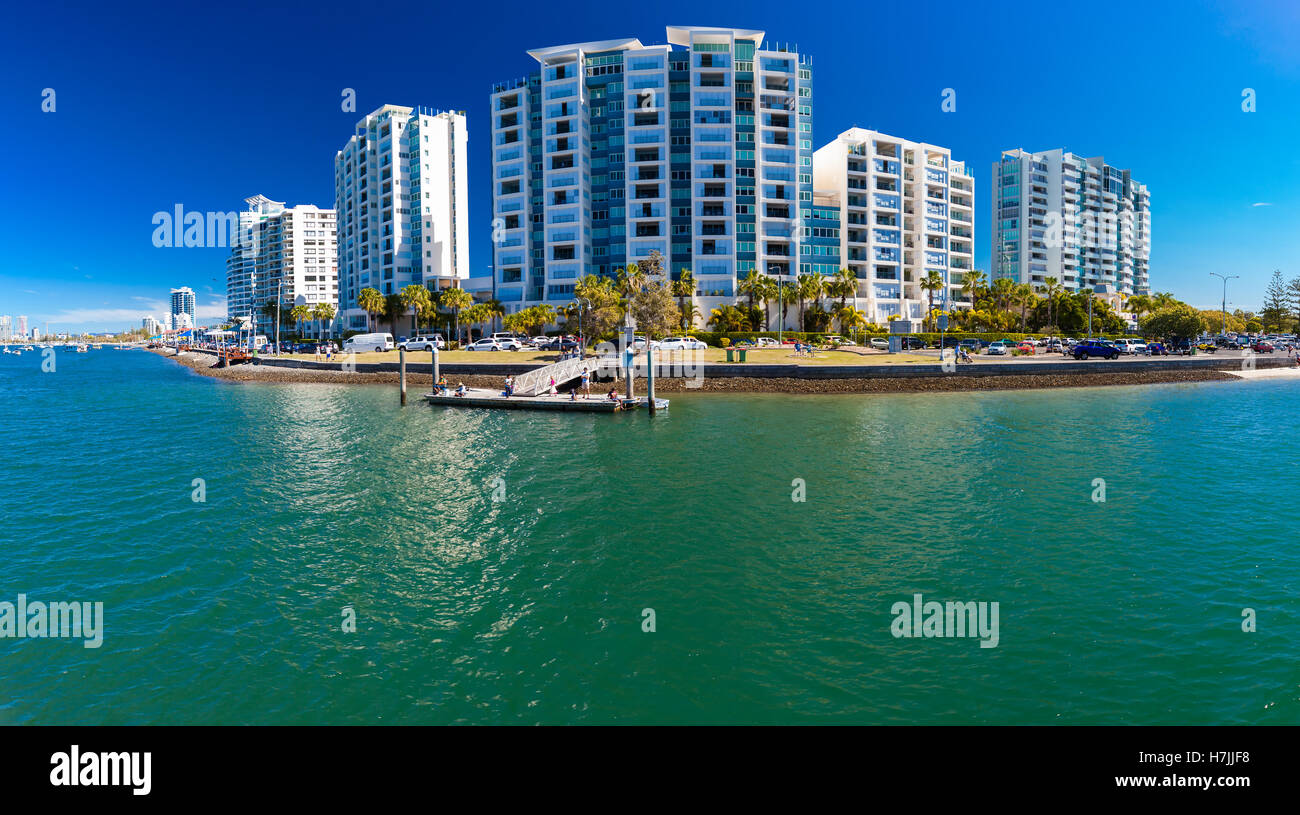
{"x": 753, "y": 356}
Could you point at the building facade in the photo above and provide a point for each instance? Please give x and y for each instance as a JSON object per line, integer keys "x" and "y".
{"x": 151, "y": 326}
{"x": 1078, "y": 220}
{"x": 183, "y": 308}
{"x": 700, "y": 149}
{"x": 285, "y": 254}
{"x": 907, "y": 210}
{"x": 402, "y": 203}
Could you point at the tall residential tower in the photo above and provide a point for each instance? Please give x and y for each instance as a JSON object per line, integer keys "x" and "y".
{"x": 285, "y": 252}
{"x": 1078, "y": 220}
{"x": 402, "y": 199}
{"x": 908, "y": 210}
{"x": 700, "y": 148}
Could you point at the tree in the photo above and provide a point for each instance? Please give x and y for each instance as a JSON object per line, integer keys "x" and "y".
{"x": 684, "y": 287}
{"x": 654, "y": 310}
{"x": 766, "y": 293}
{"x": 1179, "y": 321}
{"x": 972, "y": 285}
{"x": 298, "y": 314}
{"x": 372, "y": 303}
{"x": 1051, "y": 288}
{"x": 604, "y": 312}
{"x": 393, "y": 311}
{"x": 1276, "y": 303}
{"x": 811, "y": 287}
{"x": 417, "y": 300}
{"x": 323, "y": 313}
{"x": 750, "y": 286}
{"x": 932, "y": 282}
{"x": 455, "y": 300}
{"x": 476, "y": 314}
{"x": 1023, "y": 296}
{"x": 725, "y": 319}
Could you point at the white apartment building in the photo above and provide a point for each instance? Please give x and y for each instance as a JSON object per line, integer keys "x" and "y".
{"x": 906, "y": 209}
{"x": 700, "y": 148}
{"x": 184, "y": 308}
{"x": 1076, "y": 219}
{"x": 402, "y": 199}
{"x": 289, "y": 253}
{"x": 151, "y": 326}
{"x": 6, "y": 328}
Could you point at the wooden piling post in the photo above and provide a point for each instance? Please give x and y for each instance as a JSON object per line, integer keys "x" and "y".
{"x": 650, "y": 376}
{"x": 401, "y": 367}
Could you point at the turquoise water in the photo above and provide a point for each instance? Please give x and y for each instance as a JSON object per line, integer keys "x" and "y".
{"x": 529, "y": 609}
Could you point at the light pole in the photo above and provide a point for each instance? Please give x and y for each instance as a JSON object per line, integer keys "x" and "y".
{"x": 278, "y": 284}
{"x": 582, "y": 337}
{"x": 1225, "y": 298}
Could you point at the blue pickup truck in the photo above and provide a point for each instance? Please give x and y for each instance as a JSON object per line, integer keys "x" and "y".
{"x": 1094, "y": 348}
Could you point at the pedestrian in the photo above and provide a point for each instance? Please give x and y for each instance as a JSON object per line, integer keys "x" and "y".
{"x": 586, "y": 384}
{"x": 510, "y": 387}
{"x": 554, "y": 392}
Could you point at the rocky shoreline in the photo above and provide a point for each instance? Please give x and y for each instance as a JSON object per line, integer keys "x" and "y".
{"x": 203, "y": 364}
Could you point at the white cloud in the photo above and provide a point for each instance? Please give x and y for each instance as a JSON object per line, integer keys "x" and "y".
{"x": 1261, "y": 204}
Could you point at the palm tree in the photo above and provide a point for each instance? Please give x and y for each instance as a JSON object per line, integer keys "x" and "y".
{"x": 846, "y": 282}
{"x": 972, "y": 283}
{"x": 750, "y": 287}
{"x": 810, "y": 287}
{"x": 475, "y": 314}
{"x": 1001, "y": 292}
{"x": 323, "y": 313}
{"x": 455, "y": 300}
{"x": 682, "y": 288}
{"x": 1023, "y": 296}
{"x": 1051, "y": 288}
{"x": 932, "y": 282}
{"x": 372, "y": 303}
{"x": 416, "y": 299}
{"x": 631, "y": 280}
{"x": 766, "y": 291}
{"x": 298, "y": 314}
{"x": 851, "y": 319}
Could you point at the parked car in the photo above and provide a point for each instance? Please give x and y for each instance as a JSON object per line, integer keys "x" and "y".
{"x": 1262, "y": 347}
{"x": 685, "y": 344}
{"x": 1057, "y": 347}
{"x": 1207, "y": 347}
{"x": 997, "y": 349}
{"x": 427, "y": 343}
{"x": 879, "y": 343}
{"x": 487, "y": 344}
{"x": 561, "y": 343}
{"x": 913, "y": 343}
{"x": 1095, "y": 348}
{"x": 836, "y": 339}
{"x": 368, "y": 342}
{"x": 761, "y": 342}
{"x": 1027, "y": 347}
{"x": 1157, "y": 349}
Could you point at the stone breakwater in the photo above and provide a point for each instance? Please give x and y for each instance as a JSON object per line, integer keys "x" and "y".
{"x": 204, "y": 364}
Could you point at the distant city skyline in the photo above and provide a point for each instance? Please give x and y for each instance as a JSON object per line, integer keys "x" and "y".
{"x": 1185, "y": 109}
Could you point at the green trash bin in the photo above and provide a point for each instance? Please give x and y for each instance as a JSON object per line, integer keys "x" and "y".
{"x": 730, "y": 355}
{"x": 742, "y": 354}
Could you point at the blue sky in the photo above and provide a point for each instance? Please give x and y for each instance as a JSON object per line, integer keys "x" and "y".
{"x": 158, "y": 105}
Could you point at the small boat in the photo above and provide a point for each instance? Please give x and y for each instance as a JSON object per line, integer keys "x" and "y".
{"x": 81, "y": 349}
{"x": 642, "y": 401}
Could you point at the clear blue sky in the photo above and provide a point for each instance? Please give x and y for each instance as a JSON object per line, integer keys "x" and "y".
{"x": 158, "y": 105}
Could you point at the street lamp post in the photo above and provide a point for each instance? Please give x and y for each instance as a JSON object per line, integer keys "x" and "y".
{"x": 1225, "y": 298}
{"x": 278, "y": 284}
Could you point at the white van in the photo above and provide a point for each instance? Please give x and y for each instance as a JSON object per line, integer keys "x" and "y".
{"x": 362, "y": 343}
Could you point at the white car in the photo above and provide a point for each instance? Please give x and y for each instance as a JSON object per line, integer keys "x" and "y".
{"x": 880, "y": 343}
{"x": 997, "y": 349}
{"x": 488, "y": 344}
{"x": 765, "y": 342}
{"x": 682, "y": 344}
{"x": 424, "y": 343}
{"x": 638, "y": 344}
